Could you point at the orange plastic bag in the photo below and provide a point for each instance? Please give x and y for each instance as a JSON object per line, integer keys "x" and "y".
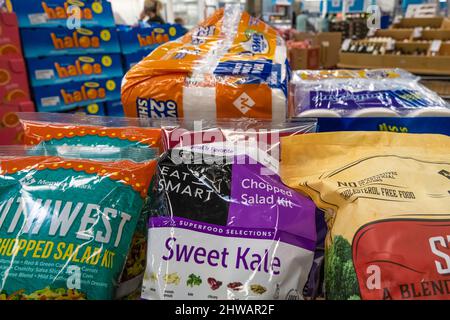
{"x": 230, "y": 66}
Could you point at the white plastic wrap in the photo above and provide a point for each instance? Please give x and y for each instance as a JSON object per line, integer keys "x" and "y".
{"x": 363, "y": 93}
{"x": 230, "y": 66}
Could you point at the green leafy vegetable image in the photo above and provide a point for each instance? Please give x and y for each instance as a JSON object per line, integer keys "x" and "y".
{"x": 193, "y": 280}
{"x": 340, "y": 276}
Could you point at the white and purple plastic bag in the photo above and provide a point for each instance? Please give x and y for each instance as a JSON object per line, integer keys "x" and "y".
{"x": 220, "y": 229}
{"x": 363, "y": 93}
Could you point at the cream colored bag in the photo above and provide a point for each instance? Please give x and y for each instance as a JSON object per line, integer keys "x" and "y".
{"x": 387, "y": 203}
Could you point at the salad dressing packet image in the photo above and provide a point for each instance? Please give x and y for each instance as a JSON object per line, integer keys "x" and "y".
{"x": 387, "y": 203}
{"x": 66, "y": 224}
{"x": 220, "y": 229}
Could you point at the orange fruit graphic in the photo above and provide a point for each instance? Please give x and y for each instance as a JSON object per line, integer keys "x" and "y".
{"x": 4, "y": 77}
{"x": 8, "y": 49}
{"x": 87, "y": 69}
{"x": 10, "y": 119}
{"x": 92, "y": 94}
{"x": 15, "y": 95}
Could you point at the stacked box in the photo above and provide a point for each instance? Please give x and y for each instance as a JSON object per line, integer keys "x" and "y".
{"x": 114, "y": 108}
{"x": 67, "y": 96}
{"x": 62, "y": 69}
{"x": 40, "y": 42}
{"x": 73, "y": 65}
{"x": 9, "y": 35}
{"x": 10, "y": 129}
{"x": 13, "y": 80}
{"x": 14, "y": 89}
{"x": 138, "y": 42}
{"x": 57, "y": 13}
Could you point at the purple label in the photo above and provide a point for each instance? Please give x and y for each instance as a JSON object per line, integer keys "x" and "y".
{"x": 233, "y": 232}
{"x": 233, "y": 198}
{"x": 367, "y": 99}
{"x": 264, "y": 202}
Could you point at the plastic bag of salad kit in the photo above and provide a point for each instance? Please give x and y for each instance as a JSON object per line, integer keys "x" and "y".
{"x": 387, "y": 203}
{"x": 262, "y": 136}
{"x": 117, "y": 137}
{"x": 363, "y": 93}
{"x": 220, "y": 229}
{"x": 66, "y": 223}
{"x": 56, "y": 129}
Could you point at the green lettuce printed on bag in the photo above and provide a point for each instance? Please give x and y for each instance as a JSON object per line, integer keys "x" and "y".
{"x": 66, "y": 225}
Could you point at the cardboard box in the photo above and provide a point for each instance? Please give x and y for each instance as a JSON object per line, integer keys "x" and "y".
{"x": 440, "y": 34}
{"x": 43, "y": 42}
{"x": 10, "y": 129}
{"x": 93, "y": 109}
{"x": 434, "y": 22}
{"x": 441, "y": 87}
{"x": 62, "y": 69}
{"x": 9, "y": 35}
{"x": 438, "y": 65}
{"x": 114, "y": 108}
{"x": 396, "y": 34}
{"x": 130, "y": 59}
{"x": 444, "y": 49}
{"x": 301, "y": 59}
{"x": 66, "y": 96}
{"x": 329, "y": 43}
{"x": 57, "y": 13}
{"x": 13, "y": 80}
{"x": 134, "y": 39}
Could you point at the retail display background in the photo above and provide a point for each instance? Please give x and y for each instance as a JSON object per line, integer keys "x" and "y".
{"x": 233, "y": 150}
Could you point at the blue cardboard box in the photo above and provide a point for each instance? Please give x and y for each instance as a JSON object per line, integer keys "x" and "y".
{"x": 42, "y": 42}
{"x": 133, "y": 39}
{"x": 93, "y": 109}
{"x": 66, "y": 96}
{"x": 62, "y": 13}
{"x": 114, "y": 108}
{"x": 131, "y": 59}
{"x": 61, "y": 69}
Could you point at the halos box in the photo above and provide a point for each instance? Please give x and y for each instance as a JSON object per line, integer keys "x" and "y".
{"x": 61, "y": 69}
{"x": 133, "y": 39}
{"x": 69, "y": 95}
{"x": 131, "y": 59}
{"x": 62, "y": 13}
{"x": 93, "y": 109}
{"x": 114, "y": 108}
{"x": 42, "y": 42}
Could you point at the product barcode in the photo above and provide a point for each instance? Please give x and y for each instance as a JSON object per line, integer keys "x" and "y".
{"x": 50, "y": 101}
{"x": 37, "y": 18}
{"x": 44, "y": 74}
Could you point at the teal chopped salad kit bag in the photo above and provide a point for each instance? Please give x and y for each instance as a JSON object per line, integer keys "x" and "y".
{"x": 66, "y": 224}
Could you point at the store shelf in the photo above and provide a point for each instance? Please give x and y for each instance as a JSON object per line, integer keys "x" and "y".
{"x": 439, "y": 65}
